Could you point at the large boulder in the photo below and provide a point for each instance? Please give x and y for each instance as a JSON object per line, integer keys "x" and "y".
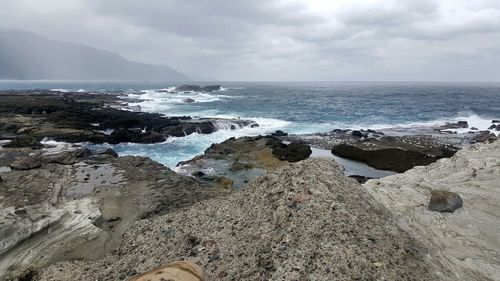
{"x": 293, "y": 152}
{"x": 397, "y": 154}
{"x": 445, "y": 201}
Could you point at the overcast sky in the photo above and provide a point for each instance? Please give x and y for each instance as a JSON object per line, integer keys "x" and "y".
{"x": 453, "y": 40}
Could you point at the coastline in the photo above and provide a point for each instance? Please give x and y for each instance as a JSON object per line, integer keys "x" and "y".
{"x": 72, "y": 194}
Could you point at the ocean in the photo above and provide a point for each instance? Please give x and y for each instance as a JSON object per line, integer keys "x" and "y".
{"x": 295, "y": 107}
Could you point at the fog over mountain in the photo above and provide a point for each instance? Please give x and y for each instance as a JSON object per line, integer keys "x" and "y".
{"x": 285, "y": 40}
{"x": 26, "y": 55}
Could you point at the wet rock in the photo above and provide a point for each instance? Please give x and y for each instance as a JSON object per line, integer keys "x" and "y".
{"x": 238, "y": 166}
{"x": 198, "y": 174}
{"x": 279, "y": 133}
{"x": 492, "y": 127}
{"x": 457, "y": 125}
{"x": 212, "y": 88}
{"x": 197, "y": 88}
{"x": 293, "y": 152}
{"x": 137, "y": 136}
{"x": 1, "y": 179}
{"x": 107, "y": 151}
{"x": 357, "y": 134}
{"x": 186, "y": 129}
{"x": 189, "y": 88}
{"x": 445, "y": 201}
{"x": 223, "y": 182}
{"x": 188, "y": 100}
{"x": 484, "y": 136}
{"x": 495, "y": 121}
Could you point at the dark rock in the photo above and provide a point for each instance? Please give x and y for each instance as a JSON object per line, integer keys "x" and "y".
{"x": 28, "y": 163}
{"x": 474, "y": 128}
{"x": 107, "y": 151}
{"x": 392, "y": 158}
{"x": 279, "y": 133}
{"x": 457, "y": 125}
{"x": 66, "y": 157}
{"x": 189, "y": 88}
{"x": 293, "y": 152}
{"x": 484, "y": 136}
{"x": 360, "y": 179}
{"x": 186, "y": 129}
{"x": 445, "y": 201}
{"x": 1, "y": 179}
{"x": 255, "y": 125}
{"x": 127, "y": 135}
{"x": 357, "y": 134}
{"x": 495, "y": 121}
{"x": 198, "y": 174}
{"x": 492, "y": 127}
{"x": 25, "y": 141}
{"x": 188, "y": 100}
{"x": 212, "y": 88}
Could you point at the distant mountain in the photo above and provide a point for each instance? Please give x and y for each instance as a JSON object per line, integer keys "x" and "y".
{"x": 25, "y": 55}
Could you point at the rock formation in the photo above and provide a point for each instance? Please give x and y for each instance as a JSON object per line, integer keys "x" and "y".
{"x": 76, "y": 205}
{"x": 304, "y": 221}
{"x": 465, "y": 243}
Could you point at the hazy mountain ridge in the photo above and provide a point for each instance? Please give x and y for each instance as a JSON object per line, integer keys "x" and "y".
{"x": 25, "y": 55}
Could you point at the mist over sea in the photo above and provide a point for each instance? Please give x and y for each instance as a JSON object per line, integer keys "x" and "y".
{"x": 295, "y": 107}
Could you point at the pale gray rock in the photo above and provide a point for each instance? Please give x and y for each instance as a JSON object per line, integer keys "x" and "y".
{"x": 463, "y": 245}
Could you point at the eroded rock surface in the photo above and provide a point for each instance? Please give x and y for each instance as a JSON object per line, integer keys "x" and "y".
{"x": 77, "y": 205}
{"x": 304, "y": 221}
{"x": 467, "y": 241}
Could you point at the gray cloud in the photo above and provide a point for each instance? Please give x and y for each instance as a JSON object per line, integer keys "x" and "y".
{"x": 282, "y": 40}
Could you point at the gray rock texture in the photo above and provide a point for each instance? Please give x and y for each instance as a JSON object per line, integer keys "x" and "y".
{"x": 303, "y": 221}
{"x": 465, "y": 243}
{"x": 77, "y": 206}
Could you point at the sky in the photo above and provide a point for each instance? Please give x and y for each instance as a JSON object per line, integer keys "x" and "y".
{"x": 294, "y": 40}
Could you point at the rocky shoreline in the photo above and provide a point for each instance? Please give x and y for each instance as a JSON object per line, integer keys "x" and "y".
{"x": 248, "y": 208}
{"x": 26, "y": 117}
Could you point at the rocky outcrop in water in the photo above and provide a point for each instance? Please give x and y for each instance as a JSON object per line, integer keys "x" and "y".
{"x": 26, "y": 117}
{"x": 395, "y": 153}
{"x": 303, "y": 221}
{"x": 243, "y": 159}
{"x": 463, "y": 243}
{"x": 196, "y": 88}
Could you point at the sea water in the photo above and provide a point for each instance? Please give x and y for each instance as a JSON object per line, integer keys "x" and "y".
{"x": 295, "y": 107}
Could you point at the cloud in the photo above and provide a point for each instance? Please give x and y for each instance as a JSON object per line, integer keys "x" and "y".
{"x": 282, "y": 40}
